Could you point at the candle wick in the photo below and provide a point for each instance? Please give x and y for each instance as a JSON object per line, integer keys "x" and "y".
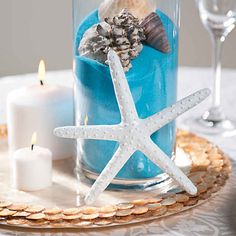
{"x": 32, "y": 147}
{"x": 41, "y": 83}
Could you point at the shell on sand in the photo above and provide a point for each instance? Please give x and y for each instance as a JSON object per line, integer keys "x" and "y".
{"x": 89, "y": 37}
{"x": 155, "y": 33}
{"x": 122, "y": 33}
{"x": 138, "y": 8}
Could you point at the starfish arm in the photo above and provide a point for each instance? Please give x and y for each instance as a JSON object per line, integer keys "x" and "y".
{"x": 122, "y": 90}
{"x": 102, "y": 132}
{"x": 157, "y": 121}
{"x": 158, "y": 157}
{"x": 119, "y": 159}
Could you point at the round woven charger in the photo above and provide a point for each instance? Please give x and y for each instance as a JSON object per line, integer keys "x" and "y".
{"x": 210, "y": 170}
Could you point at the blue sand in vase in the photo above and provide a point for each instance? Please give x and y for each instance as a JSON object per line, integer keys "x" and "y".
{"x": 152, "y": 80}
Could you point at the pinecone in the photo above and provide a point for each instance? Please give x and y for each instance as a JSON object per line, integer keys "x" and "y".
{"x": 122, "y": 33}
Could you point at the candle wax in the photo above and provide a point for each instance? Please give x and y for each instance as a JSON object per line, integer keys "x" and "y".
{"x": 32, "y": 169}
{"x": 40, "y": 109}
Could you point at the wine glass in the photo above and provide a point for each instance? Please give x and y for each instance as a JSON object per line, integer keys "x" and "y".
{"x": 219, "y": 18}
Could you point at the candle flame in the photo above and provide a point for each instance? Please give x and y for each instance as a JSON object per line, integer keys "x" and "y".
{"x": 41, "y": 71}
{"x": 33, "y": 140}
{"x": 86, "y": 120}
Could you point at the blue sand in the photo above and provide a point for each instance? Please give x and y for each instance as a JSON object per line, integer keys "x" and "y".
{"x": 152, "y": 81}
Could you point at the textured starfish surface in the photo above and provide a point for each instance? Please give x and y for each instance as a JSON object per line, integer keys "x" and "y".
{"x": 133, "y": 133}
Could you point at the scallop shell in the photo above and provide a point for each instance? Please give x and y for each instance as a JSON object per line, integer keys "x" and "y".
{"x": 155, "y": 33}
{"x": 138, "y": 8}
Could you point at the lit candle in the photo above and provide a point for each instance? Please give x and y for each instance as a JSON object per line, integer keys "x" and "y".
{"x": 40, "y": 108}
{"x": 32, "y": 167}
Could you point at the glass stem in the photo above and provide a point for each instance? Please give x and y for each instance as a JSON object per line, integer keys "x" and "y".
{"x": 216, "y": 92}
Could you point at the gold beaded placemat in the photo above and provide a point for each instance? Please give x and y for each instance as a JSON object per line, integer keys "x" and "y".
{"x": 210, "y": 170}
{"x": 3, "y": 131}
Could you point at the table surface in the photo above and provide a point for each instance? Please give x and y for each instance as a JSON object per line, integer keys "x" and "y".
{"x": 218, "y": 216}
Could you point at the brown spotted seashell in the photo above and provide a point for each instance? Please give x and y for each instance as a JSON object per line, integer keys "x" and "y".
{"x": 138, "y": 8}
{"x": 155, "y": 33}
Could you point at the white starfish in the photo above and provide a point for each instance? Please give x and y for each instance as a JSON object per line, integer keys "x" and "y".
{"x": 133, "y": 133}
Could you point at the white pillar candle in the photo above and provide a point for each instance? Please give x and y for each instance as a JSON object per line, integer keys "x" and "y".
{"x": 40, "y": 108}
{"x": 32, "y": 168}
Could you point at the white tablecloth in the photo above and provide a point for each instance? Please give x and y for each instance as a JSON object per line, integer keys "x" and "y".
{"x": 221, "y": 219}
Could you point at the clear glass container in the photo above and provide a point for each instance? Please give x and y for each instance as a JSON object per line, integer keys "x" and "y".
{"x": 147, "y": 40}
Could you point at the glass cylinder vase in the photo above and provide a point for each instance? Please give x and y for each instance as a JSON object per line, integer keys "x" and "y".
{"x": 144, "y": 33}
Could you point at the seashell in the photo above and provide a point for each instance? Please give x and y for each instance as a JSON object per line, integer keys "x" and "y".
{"x": 138, "y": 8}
{"x": 91, "y": 36}
{"x": 155, "y": 33}
{"x": 123, "y": 33}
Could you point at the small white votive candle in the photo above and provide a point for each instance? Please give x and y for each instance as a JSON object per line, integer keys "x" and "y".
{"x": 32, "y": 168}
